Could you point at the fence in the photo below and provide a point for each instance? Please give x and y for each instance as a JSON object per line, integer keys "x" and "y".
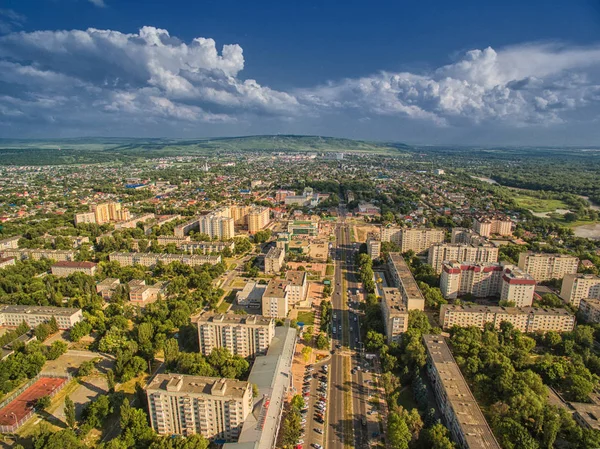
{"x": 14, "y": 427}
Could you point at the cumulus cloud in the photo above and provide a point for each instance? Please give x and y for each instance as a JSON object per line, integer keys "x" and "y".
{"x": 92, "y": 79}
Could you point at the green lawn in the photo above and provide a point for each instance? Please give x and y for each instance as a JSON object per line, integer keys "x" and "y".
{"x": 227, "y": 301}
{"x": 330, "y": 270}
{"x": 406, "y": 399}
{"x": 537, "y": 204}
{"x": 308, "y": 318}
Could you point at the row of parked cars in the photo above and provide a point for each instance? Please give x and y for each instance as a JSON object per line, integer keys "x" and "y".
{"x": 320, "y": 406}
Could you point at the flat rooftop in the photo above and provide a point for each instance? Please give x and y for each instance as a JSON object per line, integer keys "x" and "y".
{"x": 409, "y": 285}
{"x": 232, "y": 318}
{"x": 197, "y": 385}
{"x": 296, "y": 278}
{"x": 274, "y": 253}
{"x": 476, "y": 431}
{"x": 39, "y": 310}
{"x": 506, "y": 310}
{"x": 276, "y": 288}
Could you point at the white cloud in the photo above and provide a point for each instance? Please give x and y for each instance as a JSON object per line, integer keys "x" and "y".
{"x": 98, "y": 3}
{"x": 150, "y": 77}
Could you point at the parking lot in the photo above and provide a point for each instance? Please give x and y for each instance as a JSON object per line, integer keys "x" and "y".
{"x": 314, "y": 392}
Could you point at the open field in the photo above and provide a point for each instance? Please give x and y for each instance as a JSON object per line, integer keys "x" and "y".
{"x": 539, "y": 205}
{"x": 308, "y": 318}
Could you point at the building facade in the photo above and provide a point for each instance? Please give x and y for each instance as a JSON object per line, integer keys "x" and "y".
{"x": 297, "y": 286}
{"x": 461, "y": 252}
{"x": 412, "y": 239}
{"x": 13, "y": 316}
{"x": 37, "y": 254}
{"x": 243, "y": 335}
{"x": 373, "y": 247}
{"x": 525, "y": 319}
{"x": 187, "y": 405}
{"x": 589, "y": 308}
{"x": 275, "y": 301}
{"x": 395, "y": 314}
{"x": 274, "y": 260}
{"x": 496, "y": 224}
{"x": 65, "y": 268}
{"x": 405, "y": 282}
{"x": 258, "y": 219}
{"x": 576, "y": 287}
{"x": 151, "y": 259}
{"x": 546, "y": 266}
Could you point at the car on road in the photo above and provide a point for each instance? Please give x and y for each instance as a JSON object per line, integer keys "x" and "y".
{"x": 317, "y": 446}
{"x": 319, "y": 431}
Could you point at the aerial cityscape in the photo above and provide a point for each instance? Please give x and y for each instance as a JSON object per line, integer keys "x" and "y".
{"x": 190, "y": 260}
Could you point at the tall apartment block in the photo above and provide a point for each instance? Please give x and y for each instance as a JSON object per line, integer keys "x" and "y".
{"x": 460, "y": 410}
{"x": 297, "y": 285}
{"x": 461, "y": 252}
{"x": 103, "y": 213}
{"x": 373, "y": 247}
{"x": 187, "y": 405}
{"x": 412, "y": 239}
{"x": 395, "y": 314}
{"x": 490, "y": 279}
{"x": 576, "y": 287}
{"x": 589, "y": 308}
{"x": 275, "y": 301}
{"x": 496, "y": 224}
{"x": 243, "y": 335}
{"x": 546, "y": 266}
{"x": 258, "y": 219}
{"x": 274, "y": 260}
{"x": 405, "y": 282}
{"x": 217, "y": 225}
{"x": 525, "y": 319}
{"x": 13, "y": 316}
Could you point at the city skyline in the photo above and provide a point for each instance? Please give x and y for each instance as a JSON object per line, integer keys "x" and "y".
{"x": 476, "y": 75}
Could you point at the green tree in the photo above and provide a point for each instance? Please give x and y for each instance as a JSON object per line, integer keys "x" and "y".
{"x": 70, "y": 412}
{"x": 110, "y": 380}
{"x": 437, "y": 437}
{"x": 399, "y": 435}
{"x": 43, "y": 403}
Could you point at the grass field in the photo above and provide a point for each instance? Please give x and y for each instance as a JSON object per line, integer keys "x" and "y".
{"x": 226, "y": 303}
{"x": 330, "y": 270}
{"x": 406, "y": 399}
{"x": 537, "y": 204}
{"x": 308, "y": 318}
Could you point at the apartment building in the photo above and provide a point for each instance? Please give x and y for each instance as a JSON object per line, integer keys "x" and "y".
{"x": 85, "y": 217}
{"x": 373, "y": 247}
{"x": 280, "y": 195}
{"x": 107, "y": 288}
{"x": 484, "y": 280}
{"x": 456, "y": 402}
{"x": 395, "y": 314}
{"x": 298, "y": 286}
{"x": 186, "y": 405}
{"x": 403, "y": 279}
{"x": 104, "y": 213}
{"x": 243, "y": 335}
{"x": 151, "y": 259}
{"x": 132, "y": 222}
{"x": 184, "y": 229}
{"x": 525, "y": 319}
{"x": 7, "y": 262}
{"x": 412, "y": 239}
{"x": 546, "y": 266}
{"x": 589, "y": 308}
{"x": 258, "y": 219}
{"x": 13, "y": 316}
{"x": 275, "y": 301}
{"x": 165, "y": 240}
{"x": 461, "y": 252}
{"x": 37, "y": 254}
{"x": 467, "y": 236}
{"x": 576, "y": 287}
{"x": 67, "y": 267}
{"x": 10, "y": 242}
{"x": 206, "y": 247}
{"x": 218, "y": 224}
{"x": 274, "y": 260}
{"x": 141, "y": 294}
{"x": 495, "y": 224}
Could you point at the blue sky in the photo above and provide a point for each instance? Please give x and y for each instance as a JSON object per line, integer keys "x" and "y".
{"x": 490, "y": 73}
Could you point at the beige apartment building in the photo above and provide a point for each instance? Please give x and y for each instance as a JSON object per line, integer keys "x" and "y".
{"x": 206, "y": 247}
{"x": 37, "y": 254}
{"x": 103, "y": 213}
{"x": 525, "y": 319}
{"x": 107, "y": 288}
{"x": 412, "y": 239}
{"x": 85, "y": 217}
{"x": 576, "y": 287}
{"x": 243, "y": 335}
{"x": 187, "y": 405}
{"x": 217, "y": 225}
{"x": 141, "y": 294}
{"x": 258, "y": 219}
{"x": 66, "y": 267}
{"x": 546, "y": 266}
{"x": 374, "y": 247}
{"x": 10, "y": 242}
{"x": 589, "y": 308}
{"x": 395, "y": 314}
{"x": 7, "y": 262}
{"x": 298, "y": 286}
{"x": 461, "y": 252}
{"x": 151, "y": 259}
{"x": 467, "y": 236}
{"x": 13, "y": 316}
{"x": 274, "y": 260}
{"x": 496, "y": 224}
{"x": 275, "y": 301}
{"x": 485, "y": 280}
{"x": 461, "y": 412}
{"x": 412, "y": 297}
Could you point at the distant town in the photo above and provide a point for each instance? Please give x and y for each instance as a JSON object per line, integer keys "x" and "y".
{"x": 298, "y": 299}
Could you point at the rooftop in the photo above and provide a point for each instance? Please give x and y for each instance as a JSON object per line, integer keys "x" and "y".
{"x": 506, "y": 310}
{"x": 296, "y": 278}
{"x": 73, "y": 264}
{"x": 232, "y": 318}
{"x": 40, "y": 310}
{"x": 197, "y": 385}
{"x": 276, "y": 288}
{"x": 409, "y": 285}
{"x": 274, "y": 253}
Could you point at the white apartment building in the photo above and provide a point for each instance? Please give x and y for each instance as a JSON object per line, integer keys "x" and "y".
{"x": 395, "y": 314}
{"x": 576, "y": 287}
{"x": 589, "y": 308}
{"x": 298, "y": 286}
{"x": 461, "y": 252}
{"x": 13, "y": 316}
{"x": 186, "y": 405}
{"x": 151, "y": 259}
{"x": 525, "y": 319}
{"x": 243, "y": 335}
{"x": 373, "y": 247}
{"x": 412, "y": 239}
{"x": 412, "y": 297}
{"x": 546, "y": 266}
{"x": 484, "y": 280}
{"x": 275, "y": 301}
{"x": 37, "y": 254}
{"x": 251, "y": 294}
{"x": 496, "y": 224}
{"x": 274, "y": 260}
